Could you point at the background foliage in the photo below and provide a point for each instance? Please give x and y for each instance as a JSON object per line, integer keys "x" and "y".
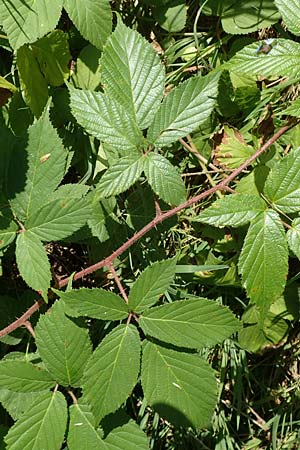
{"x": 145, "y": 303}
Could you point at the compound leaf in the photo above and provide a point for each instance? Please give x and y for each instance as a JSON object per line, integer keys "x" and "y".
{"x": 96, "y": 303}
{"x": 233, "y": 210}
{"x": 42, "y": 426}
{"x": 164, "y": 179}
{"x": 263, "y": 262}
{"x": 111, "y": 372}
{"x": 193, "y": 323}
{"x": 138, "y": 87}
{"x": 282, "y": 186}
{"x": 151, "y": 284}
{"x": 184, "y": 109}
{"x": 180, "y": 386}
{"x": 33, "y": 262}
{"x": 93, "y": 18}
{"x": 121, "y": 175}
{"x": 21, "y": 376}
{"x": 82, "y": 433}
{"x": 63, "y": 345}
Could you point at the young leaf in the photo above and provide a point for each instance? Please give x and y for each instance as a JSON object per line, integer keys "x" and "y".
{"x": 184, "y": 109}
{"x": 282, "y": 186}
{"x": 82, "y": 434}
{"x": 33, "y": 262}
{"x": 139, "y": 87}
{"x": 87, "y": 71}
{"x": 282, "y": 58}
{"x": 181, "y": 387}
{"x": 263, "y": 262}
{"x": 121, "y": 175}
{"x": 42, "y": 426}
{"x": 232, "y": 210}
{"x": 27, "y": 21}
{"x": 193, "y": 323}
{"x": 290, "y": 12}
{"x": 64, "y": 346}
{"x": 96, "y": 303}
{"x": 293, "y": 237}
{"x": 21, "y": 376}
{"x": 111, "y": 372}
{"x": 59, "y": 218}
{"x": 127, "y": 437}
{"x": 42, "y": 165}
{"x": 34, "y": 85}
{"x": 164, "y": 179}
{"x": 105, "y": 119}
{"x": 151, "y": 284}
{"x": 92, "y": 18}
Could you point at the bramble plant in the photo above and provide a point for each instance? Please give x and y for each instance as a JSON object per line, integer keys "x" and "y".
{"x": 105, "y": 121}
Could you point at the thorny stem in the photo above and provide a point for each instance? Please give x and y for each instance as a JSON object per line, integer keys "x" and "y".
{"x": 28, "y": 325}
{"x": 118, "y": 281}
{"x": 156, "y": 221}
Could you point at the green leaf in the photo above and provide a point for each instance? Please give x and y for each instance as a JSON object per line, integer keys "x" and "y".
{"x": 193, "y": 323}
{"x": 282, "y": 186}
{"x": 260, "y": 58}
{"x": 121, "y": 175}
{"x": 293, "y": 237}
{"x": 232, "y": 210}
{"x": 82, "y": 434}
{"x": 137, "y": 87}
{"x": 87, "y": 70}
{"x": 96, "y": 303}
{"x": 93, "y": 18}
{"x": 8, "y": 227}
{"x": 43, "y": 166}
{"x": 42, "y": 426}
{"x": 111, "y": 372}
{"x": 263, "y": 262}
{"x": 164, "y": 179}
{"x": 28, "y": 20}
{"x": 290, "y": 12}
{"x": 17, "y": 403}
{"x": 181, "y": 387}
{"x": 64, "y": 346}
{"x": 33, "y": 263}
{"x": 59, "y": 218}
{"x": 127, "y": 437}
{"x": 171, "y": 18}
{"x": 103, "y": 214}
{"x": 187, "y": 107}
{"x": 105, "y": 119}
{"x": 21, "y": 376}
{"x": 151, "y": 284}
{"x": 53, "y": 55}
{"x": 34, "y": 85}
{"x": 250, "y": 16}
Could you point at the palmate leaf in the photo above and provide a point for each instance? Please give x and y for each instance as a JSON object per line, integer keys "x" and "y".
{"x": 106, "y": 119}
{"x": 28, "y": 20}
{"x": 111, "y": 372}
{"x": 164, "y": 179}
{"x": 180, "y": 386}
{"x": 193, "y": 323}
{"x": 293, "y": 237}
{"x": 59, "y": 218}
{"x": 93, "y": 18}
{"x": 184, "y": 109}
{"x": 121, "y": 175}
{"x": 232, "y": 210}
{"x": 42, "y": 426}
{"x": 263, "y": 262}
{"x": 33, "y": 262}
{"x": 151, "y": 284}
{"x": 138, "y": 87}
{"x": 43, "y": 164}
{"x": 82, "y": 434}
{"x": 96, "y": 303}
{"x": 282, "y": 59}
{"x": 290, "y": 12}
{"x": 21, "y": 376}
{"x": 282, "y": 186}
{"x": 63, "y": 346}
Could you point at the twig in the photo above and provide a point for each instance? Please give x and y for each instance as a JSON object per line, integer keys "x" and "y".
{"x": 28, "y": 325}
{"x": 118, "y": 281}
{"x": 21, "y": 321}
